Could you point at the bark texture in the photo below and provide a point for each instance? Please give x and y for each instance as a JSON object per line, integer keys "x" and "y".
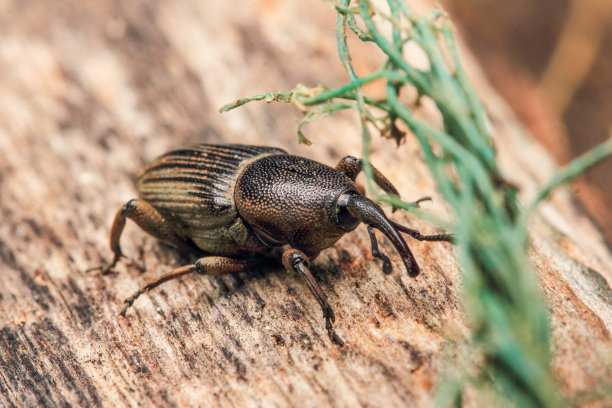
{"x": 92, "y": 91}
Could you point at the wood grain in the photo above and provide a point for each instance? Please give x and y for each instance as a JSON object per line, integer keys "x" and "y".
{"x": 92, "y": 91}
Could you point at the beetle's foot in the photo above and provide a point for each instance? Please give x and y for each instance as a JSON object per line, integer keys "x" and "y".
{"x": 330, "y": 318}
{"x": 332, "y": 333}
{"x": 386, "y": 262}
{"x": 106, "y": 269}
{"x": 328, "y": 314}
{"x": 237, "y": 265}
{"x": 128, "y": 303}
{"x": 386, "y": 265}
{"x": 418, "y": 202}
{"x": 377, "y": 254}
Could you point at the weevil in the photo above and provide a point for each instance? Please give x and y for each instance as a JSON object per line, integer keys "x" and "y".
{"x": 235, "y": 203}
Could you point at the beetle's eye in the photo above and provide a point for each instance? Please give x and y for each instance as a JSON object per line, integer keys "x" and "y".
{"x": 344, "y": 218}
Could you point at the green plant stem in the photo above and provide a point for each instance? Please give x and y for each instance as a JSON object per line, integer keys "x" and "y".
{"x": 346, "y": 91}
{"x": 500, "y": 294}
{"x": 572, "y": 170}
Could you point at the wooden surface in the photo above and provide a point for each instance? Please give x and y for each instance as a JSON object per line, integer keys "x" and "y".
{"x": 91, "y": 91}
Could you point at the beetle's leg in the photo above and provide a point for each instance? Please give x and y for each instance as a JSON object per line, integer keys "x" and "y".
{"x": 417, "y": 235}
{"x": 296, "y": 261}
{"x": 208, "y": 265}
{"x": 352, "y": 166}
{"x": 147, "y": 218}
{"x": 413, "y": 233}
{"x": 377, "y": 254}
{"x": 418, "y": 202}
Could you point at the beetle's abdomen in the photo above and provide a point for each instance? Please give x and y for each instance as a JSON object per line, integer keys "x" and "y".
{"x": 194, "y": 189}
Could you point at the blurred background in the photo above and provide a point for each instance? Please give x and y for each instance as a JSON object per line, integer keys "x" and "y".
{"x": 551, "y": 60}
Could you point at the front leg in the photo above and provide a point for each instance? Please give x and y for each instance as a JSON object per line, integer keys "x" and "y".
{"x": 352, "y": 166}
{"x": 296, "y": 261}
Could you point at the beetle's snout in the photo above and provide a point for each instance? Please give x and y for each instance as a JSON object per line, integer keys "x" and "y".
{"x": 368, "y": 212}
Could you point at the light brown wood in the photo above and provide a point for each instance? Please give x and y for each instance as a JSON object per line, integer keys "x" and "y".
{"x": 91, "y": 91}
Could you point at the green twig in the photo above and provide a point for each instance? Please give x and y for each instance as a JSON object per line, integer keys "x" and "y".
{"x": 572, "y": 170}
{"x": 501, "y": 297}
{"x": 268, "y": 97}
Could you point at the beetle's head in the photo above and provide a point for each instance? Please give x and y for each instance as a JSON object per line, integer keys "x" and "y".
{"x": 292, "y": 200}
{"x": 352, "y": 208}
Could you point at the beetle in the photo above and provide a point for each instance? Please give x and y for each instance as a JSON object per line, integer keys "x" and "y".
{"x": 237, "y": 202}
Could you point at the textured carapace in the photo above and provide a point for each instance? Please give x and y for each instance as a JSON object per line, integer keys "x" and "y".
{"x": 292, "y": 200}
{"x": 236, "y": 202}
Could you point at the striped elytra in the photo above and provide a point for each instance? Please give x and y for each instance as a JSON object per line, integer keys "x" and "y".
{"x": 193, "y": 188}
